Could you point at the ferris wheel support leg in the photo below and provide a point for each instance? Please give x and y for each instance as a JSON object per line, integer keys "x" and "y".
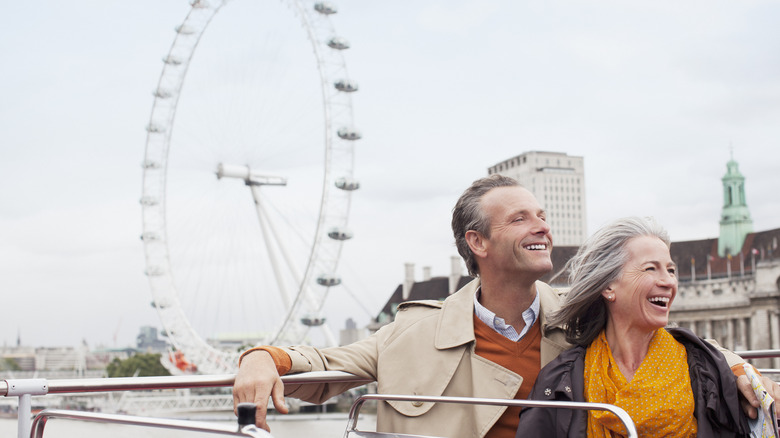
{"x": 270, "y": 224}
{"x": 329, "y": 338}
{"x": 286, "y": 298}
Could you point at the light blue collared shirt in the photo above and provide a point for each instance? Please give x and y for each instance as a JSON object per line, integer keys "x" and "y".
{"x": 530, "y": 315}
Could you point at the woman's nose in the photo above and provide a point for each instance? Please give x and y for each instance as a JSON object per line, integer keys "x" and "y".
{"x": 667, "y": 279}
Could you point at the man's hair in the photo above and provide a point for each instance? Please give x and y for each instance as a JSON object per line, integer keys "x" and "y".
{"x": 468, "y": 215}
{"x": 598, "y": 263}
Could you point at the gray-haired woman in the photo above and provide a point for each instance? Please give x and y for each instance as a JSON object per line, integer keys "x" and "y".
{"x": 623, "y": 282}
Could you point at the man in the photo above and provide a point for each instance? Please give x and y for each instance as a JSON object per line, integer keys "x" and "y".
{"x": 489, "y": 339}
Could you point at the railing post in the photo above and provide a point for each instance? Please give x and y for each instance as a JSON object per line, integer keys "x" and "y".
{"x": 25, "y": 389}
{"x": 24, "y": 415}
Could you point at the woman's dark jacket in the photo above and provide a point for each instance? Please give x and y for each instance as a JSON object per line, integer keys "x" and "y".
{"x": 717, "y": 408}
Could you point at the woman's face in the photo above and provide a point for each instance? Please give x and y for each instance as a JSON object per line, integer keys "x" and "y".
{"x": 646, "y": 288}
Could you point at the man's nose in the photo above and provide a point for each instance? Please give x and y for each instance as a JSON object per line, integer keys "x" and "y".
{"x": 541, "y": 226}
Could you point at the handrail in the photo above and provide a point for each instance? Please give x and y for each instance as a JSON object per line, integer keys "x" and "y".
{"x": 59, "y": 386}
{"x": 25, "y": 388}
{"x": 39, "y": 423}
{"x": 620, "y": 413}
{"x": 758, "y": 354}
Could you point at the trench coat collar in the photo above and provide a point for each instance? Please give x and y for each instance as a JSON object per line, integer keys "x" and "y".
{"x": 451, "y": 331}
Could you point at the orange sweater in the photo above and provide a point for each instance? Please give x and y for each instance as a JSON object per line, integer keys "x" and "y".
{"x": 522, "y": 357}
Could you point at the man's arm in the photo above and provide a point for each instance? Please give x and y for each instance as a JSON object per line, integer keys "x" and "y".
{"x": 749, "y": 401}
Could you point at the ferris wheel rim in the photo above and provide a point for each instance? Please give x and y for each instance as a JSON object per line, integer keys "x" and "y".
{"x": 160, "y": 127}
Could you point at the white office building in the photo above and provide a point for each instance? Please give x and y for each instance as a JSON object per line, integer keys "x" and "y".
{"x": 558, "y": 181}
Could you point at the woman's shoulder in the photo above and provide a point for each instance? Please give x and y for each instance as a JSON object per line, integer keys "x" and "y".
{"x": 561, "y": 376}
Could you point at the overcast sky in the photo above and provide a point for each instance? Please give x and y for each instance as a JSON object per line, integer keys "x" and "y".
{"x": 652, "y": 94}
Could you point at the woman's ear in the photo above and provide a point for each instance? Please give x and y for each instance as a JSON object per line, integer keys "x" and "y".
{"x": 608, "y": 294}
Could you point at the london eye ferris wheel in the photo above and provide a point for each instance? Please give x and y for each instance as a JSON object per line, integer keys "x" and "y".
{"x": 247, "y": 176}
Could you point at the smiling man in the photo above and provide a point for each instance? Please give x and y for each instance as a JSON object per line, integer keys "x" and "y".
{"x": 489, "y": 339}
{"x": 486, "y": 340}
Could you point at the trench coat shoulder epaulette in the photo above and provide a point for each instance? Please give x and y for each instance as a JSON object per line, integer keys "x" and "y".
{"x": 435, "y": 304}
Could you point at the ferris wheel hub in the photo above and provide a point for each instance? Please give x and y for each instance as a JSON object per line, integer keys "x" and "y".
{"x": 250, "y": 177}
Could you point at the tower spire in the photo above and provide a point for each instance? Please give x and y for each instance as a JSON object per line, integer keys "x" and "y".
{"x": 735, "y": 221}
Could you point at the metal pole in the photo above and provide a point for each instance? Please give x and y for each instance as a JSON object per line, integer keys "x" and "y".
{"x": 42, "y": 386}
{"x": 24, "y": 416}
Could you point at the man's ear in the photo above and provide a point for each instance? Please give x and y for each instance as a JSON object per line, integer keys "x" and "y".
{"x": 476, "y": 242}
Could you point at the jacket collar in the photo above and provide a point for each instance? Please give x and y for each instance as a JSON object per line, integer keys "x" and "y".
{"x": 451, "y": 331}
{"x": 549, "y": 301}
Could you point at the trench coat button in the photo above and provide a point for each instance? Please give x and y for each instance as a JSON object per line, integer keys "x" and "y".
{"x": 416, "y": 404}
{"x": 547, "y": 391}
{"x": 567, "y": 389}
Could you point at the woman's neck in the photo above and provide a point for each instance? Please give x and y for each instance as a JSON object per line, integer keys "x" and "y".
{"x": 628, "y": 347}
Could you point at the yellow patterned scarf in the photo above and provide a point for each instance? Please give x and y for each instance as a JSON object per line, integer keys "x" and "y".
{"x": 658, "y": 398}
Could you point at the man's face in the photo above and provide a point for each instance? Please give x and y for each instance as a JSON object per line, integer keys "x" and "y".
{"x": 520, "y": 242}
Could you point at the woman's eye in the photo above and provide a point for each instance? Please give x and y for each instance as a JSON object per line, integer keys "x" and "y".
{"x": 672, "y": 271}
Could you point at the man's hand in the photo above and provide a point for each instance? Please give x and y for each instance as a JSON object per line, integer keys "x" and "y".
{"x": 749, "y": 401}
{"x": 256, "y": 381}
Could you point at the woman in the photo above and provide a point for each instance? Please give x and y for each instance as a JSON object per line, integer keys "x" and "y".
{"x": 671, "y": 383}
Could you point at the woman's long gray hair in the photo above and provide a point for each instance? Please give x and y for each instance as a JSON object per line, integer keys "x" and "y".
{"x": 598, "y": 263}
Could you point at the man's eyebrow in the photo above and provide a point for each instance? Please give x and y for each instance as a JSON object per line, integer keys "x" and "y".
{"x": 525, "y": 211}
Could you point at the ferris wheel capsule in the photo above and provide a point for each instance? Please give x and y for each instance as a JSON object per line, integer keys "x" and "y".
{"x": 338, "y": 233}
{"x": 338, "y": 43}
{"x": 349, "y": 184}
{"x": 173, "y": 60}
{"x": 349, "y": 134}
{"x": 325, "y": 8}
{"x": 312, "y": 321}
{"x": 185, "y": 30}
{"x": 162, "y": 93}
{"x": 328, "y": 280}
{"x": 346, "y": 85}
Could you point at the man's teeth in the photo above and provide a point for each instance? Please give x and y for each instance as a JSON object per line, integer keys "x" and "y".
{"x": 659, "y": 300}
{"x": 536, "y": 247}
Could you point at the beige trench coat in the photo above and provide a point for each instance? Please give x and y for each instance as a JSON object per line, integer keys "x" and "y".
{"x": 427, "y": 350}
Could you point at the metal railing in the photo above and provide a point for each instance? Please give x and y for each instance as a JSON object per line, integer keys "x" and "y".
{"x": 39, "y": 423}
{"x": 26, "y": 388}
{"x": 758, "y": 354}
{"x": 355, "y": 411}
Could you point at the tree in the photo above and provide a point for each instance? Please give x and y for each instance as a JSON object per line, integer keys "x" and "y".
{"x": 145, "y": 364}
{"x": 9, "y": 364}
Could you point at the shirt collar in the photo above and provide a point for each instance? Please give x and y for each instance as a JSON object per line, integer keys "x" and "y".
{"x": 530, "y": 316}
